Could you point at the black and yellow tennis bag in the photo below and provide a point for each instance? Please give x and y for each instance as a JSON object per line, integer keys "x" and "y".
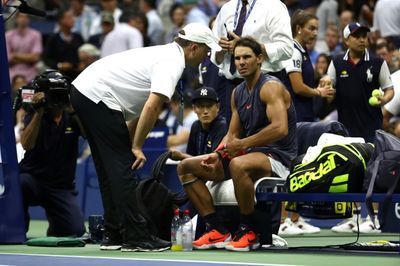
{"x": 338, "y": 168}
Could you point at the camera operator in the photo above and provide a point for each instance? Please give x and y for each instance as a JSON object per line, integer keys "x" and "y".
{"x": 47, "y": 172}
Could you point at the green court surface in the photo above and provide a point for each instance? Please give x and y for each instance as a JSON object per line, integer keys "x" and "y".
{"x": 268, "y": 257}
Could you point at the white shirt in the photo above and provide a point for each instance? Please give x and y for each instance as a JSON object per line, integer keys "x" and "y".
{"x": 123, "y": 37}
{"x": 124, "y": 81}
{"x": 155, "y": 31}
{"x": 387, "y": 17}
{"x": 290, "y": 65}
{"x": 393, "y": 106}
{"x": 268, "y": 22}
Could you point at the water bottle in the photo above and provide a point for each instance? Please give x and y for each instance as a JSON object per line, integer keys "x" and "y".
{"x": 176, "y": 232}
{"x": 187, "y": 231}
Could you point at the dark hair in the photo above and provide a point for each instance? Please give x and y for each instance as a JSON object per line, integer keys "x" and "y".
{"x": 327, "y": 57}
{"x": 251, "y": 43}
{"x": 173, "y": 8}
{"x": 300, "y": 18}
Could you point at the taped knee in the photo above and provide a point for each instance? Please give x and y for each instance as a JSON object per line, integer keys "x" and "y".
{"x": 188, "y": 182}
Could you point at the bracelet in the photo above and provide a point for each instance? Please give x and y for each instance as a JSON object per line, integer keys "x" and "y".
{"x": 219, "y": 155}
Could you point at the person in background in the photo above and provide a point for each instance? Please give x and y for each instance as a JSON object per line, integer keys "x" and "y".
{"x": 179, "y": 139}
{"x": 123, "y": 37}
{"x": 107, "y": 25}
{"x": 88, "y": 53}
{"x": 61, "y": 51}
{"x": 84, "y": 17}
{"x": 155, "y": 31}
{"x": 177, "y": 17}
{"x": 24, "y": 48}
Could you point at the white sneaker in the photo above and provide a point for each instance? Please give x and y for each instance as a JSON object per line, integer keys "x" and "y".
{"x": 289, "y": 229}
{"x": 346, "y": 226}
{"x": 367, "y": 227}
{"x": 277, "y": 241}
{"x": 306, "y": 227}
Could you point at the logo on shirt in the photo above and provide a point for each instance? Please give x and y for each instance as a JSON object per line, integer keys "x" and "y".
{"x": 344, "y": 74}
{"x": 69, "y": 130}
{"x": 369, "y": 75}
{"x": 209, "y": 144}
{"x": 248, "y": 106}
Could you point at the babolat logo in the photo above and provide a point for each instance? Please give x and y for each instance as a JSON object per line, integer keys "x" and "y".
{"x": 156, "y": 134}
{"x": 314, "y": 173}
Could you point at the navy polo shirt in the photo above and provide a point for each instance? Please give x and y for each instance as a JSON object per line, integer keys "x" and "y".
{"x": 301, "y": 62}
{"x": 202, "y": 141}
{"x": 53, "y": 159}
{"x": 354, "y": 86}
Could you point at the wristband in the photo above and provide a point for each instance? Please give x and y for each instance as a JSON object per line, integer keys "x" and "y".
{"x": 219, "y": 155}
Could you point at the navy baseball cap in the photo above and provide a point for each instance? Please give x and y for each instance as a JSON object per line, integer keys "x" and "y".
{"x": 205, "y": 93}
{"x": 352, "y": 28}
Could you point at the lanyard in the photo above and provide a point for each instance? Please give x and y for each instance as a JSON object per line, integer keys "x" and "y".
{"x": 181, "y": 106}
{"x": 237, "y": 12}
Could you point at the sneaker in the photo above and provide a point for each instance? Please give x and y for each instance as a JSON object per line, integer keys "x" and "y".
{"x": 306, "y": 227}
{"x": 346, "y": 226}
{"x": 111, "y": 242}
{"x": 277, "y": 241}
{"x": 244, "y": 240}
{"x": 289, "y": 229}
{"x": 367, "y": 227}
{"x": 153, "y": 243}
{"x": 212, "y": 239}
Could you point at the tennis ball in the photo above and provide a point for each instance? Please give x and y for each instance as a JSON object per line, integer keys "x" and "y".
{"x": 373, "y": 101}
{"x": 376, "y": 93}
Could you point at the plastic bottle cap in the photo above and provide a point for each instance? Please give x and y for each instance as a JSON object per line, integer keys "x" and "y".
{"x": 176, "y": 211}
{"x": 186, "y": 212}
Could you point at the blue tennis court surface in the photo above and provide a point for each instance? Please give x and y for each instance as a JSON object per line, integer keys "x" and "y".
{"x": 52, "y": 260}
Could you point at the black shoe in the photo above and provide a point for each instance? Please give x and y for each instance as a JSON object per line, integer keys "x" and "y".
{"x": 152, "y": 243}
{"x": 111, "y": 242}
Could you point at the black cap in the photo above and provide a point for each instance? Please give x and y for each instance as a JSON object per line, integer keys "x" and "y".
{"x": 205, "y": 93}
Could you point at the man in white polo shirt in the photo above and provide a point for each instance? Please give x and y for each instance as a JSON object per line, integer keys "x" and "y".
{"x": 131, "y": 86}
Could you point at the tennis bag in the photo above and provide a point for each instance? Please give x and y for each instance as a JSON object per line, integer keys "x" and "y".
{"x": 383, "y": 171}
{"x": 156, "y": 201}
{"x": 338, "y": 168}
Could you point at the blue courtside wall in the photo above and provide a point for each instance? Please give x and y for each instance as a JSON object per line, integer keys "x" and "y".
{"x": 12, "y": 228}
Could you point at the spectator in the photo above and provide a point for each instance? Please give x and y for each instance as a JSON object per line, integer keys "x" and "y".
{"x": 261, "y": 141}
{"x": 386, "y": 20}
{"x": 194, "y": 13}
{"x": 155, "y": 30}
{"x": 84, "y": 17}
{"x": 24, "y": 48}
{"x": 107, "y": 25}
{"x": 384, "y": 51}
{"x": 131, "y": 86}
{"x": 61, "y": 51}
{"x": 179, "y": 139}
{"x": 177, "y": 16}
{"x": 269, "y": 25}
{"x": 50, "y": 138}
{"x": 123, "y": 37}
{"x": 88, "y": 53}
{"x": 327, "y": 14}
{"x": 331, "y": 45}
{"x": 140, "y": 22}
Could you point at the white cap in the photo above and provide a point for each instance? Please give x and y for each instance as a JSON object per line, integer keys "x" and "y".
{"x": 197, "y": 32}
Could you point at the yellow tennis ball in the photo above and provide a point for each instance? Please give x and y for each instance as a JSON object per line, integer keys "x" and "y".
{"x": 376, "y": 93}
{"x": 373, "y": 101}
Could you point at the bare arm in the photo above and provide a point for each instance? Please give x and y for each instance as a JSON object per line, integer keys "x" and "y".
{"x": 300, "y": 88}
{"x": 151, "y": 110}
{"x": 273, "y": 95}
{"x": 31, "y": 131}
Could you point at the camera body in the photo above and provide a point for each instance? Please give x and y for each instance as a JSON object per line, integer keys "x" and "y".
{"x": 55, "y": 86}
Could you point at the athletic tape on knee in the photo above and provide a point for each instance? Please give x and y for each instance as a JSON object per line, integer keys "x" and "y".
{"x": 189, "y": 182}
